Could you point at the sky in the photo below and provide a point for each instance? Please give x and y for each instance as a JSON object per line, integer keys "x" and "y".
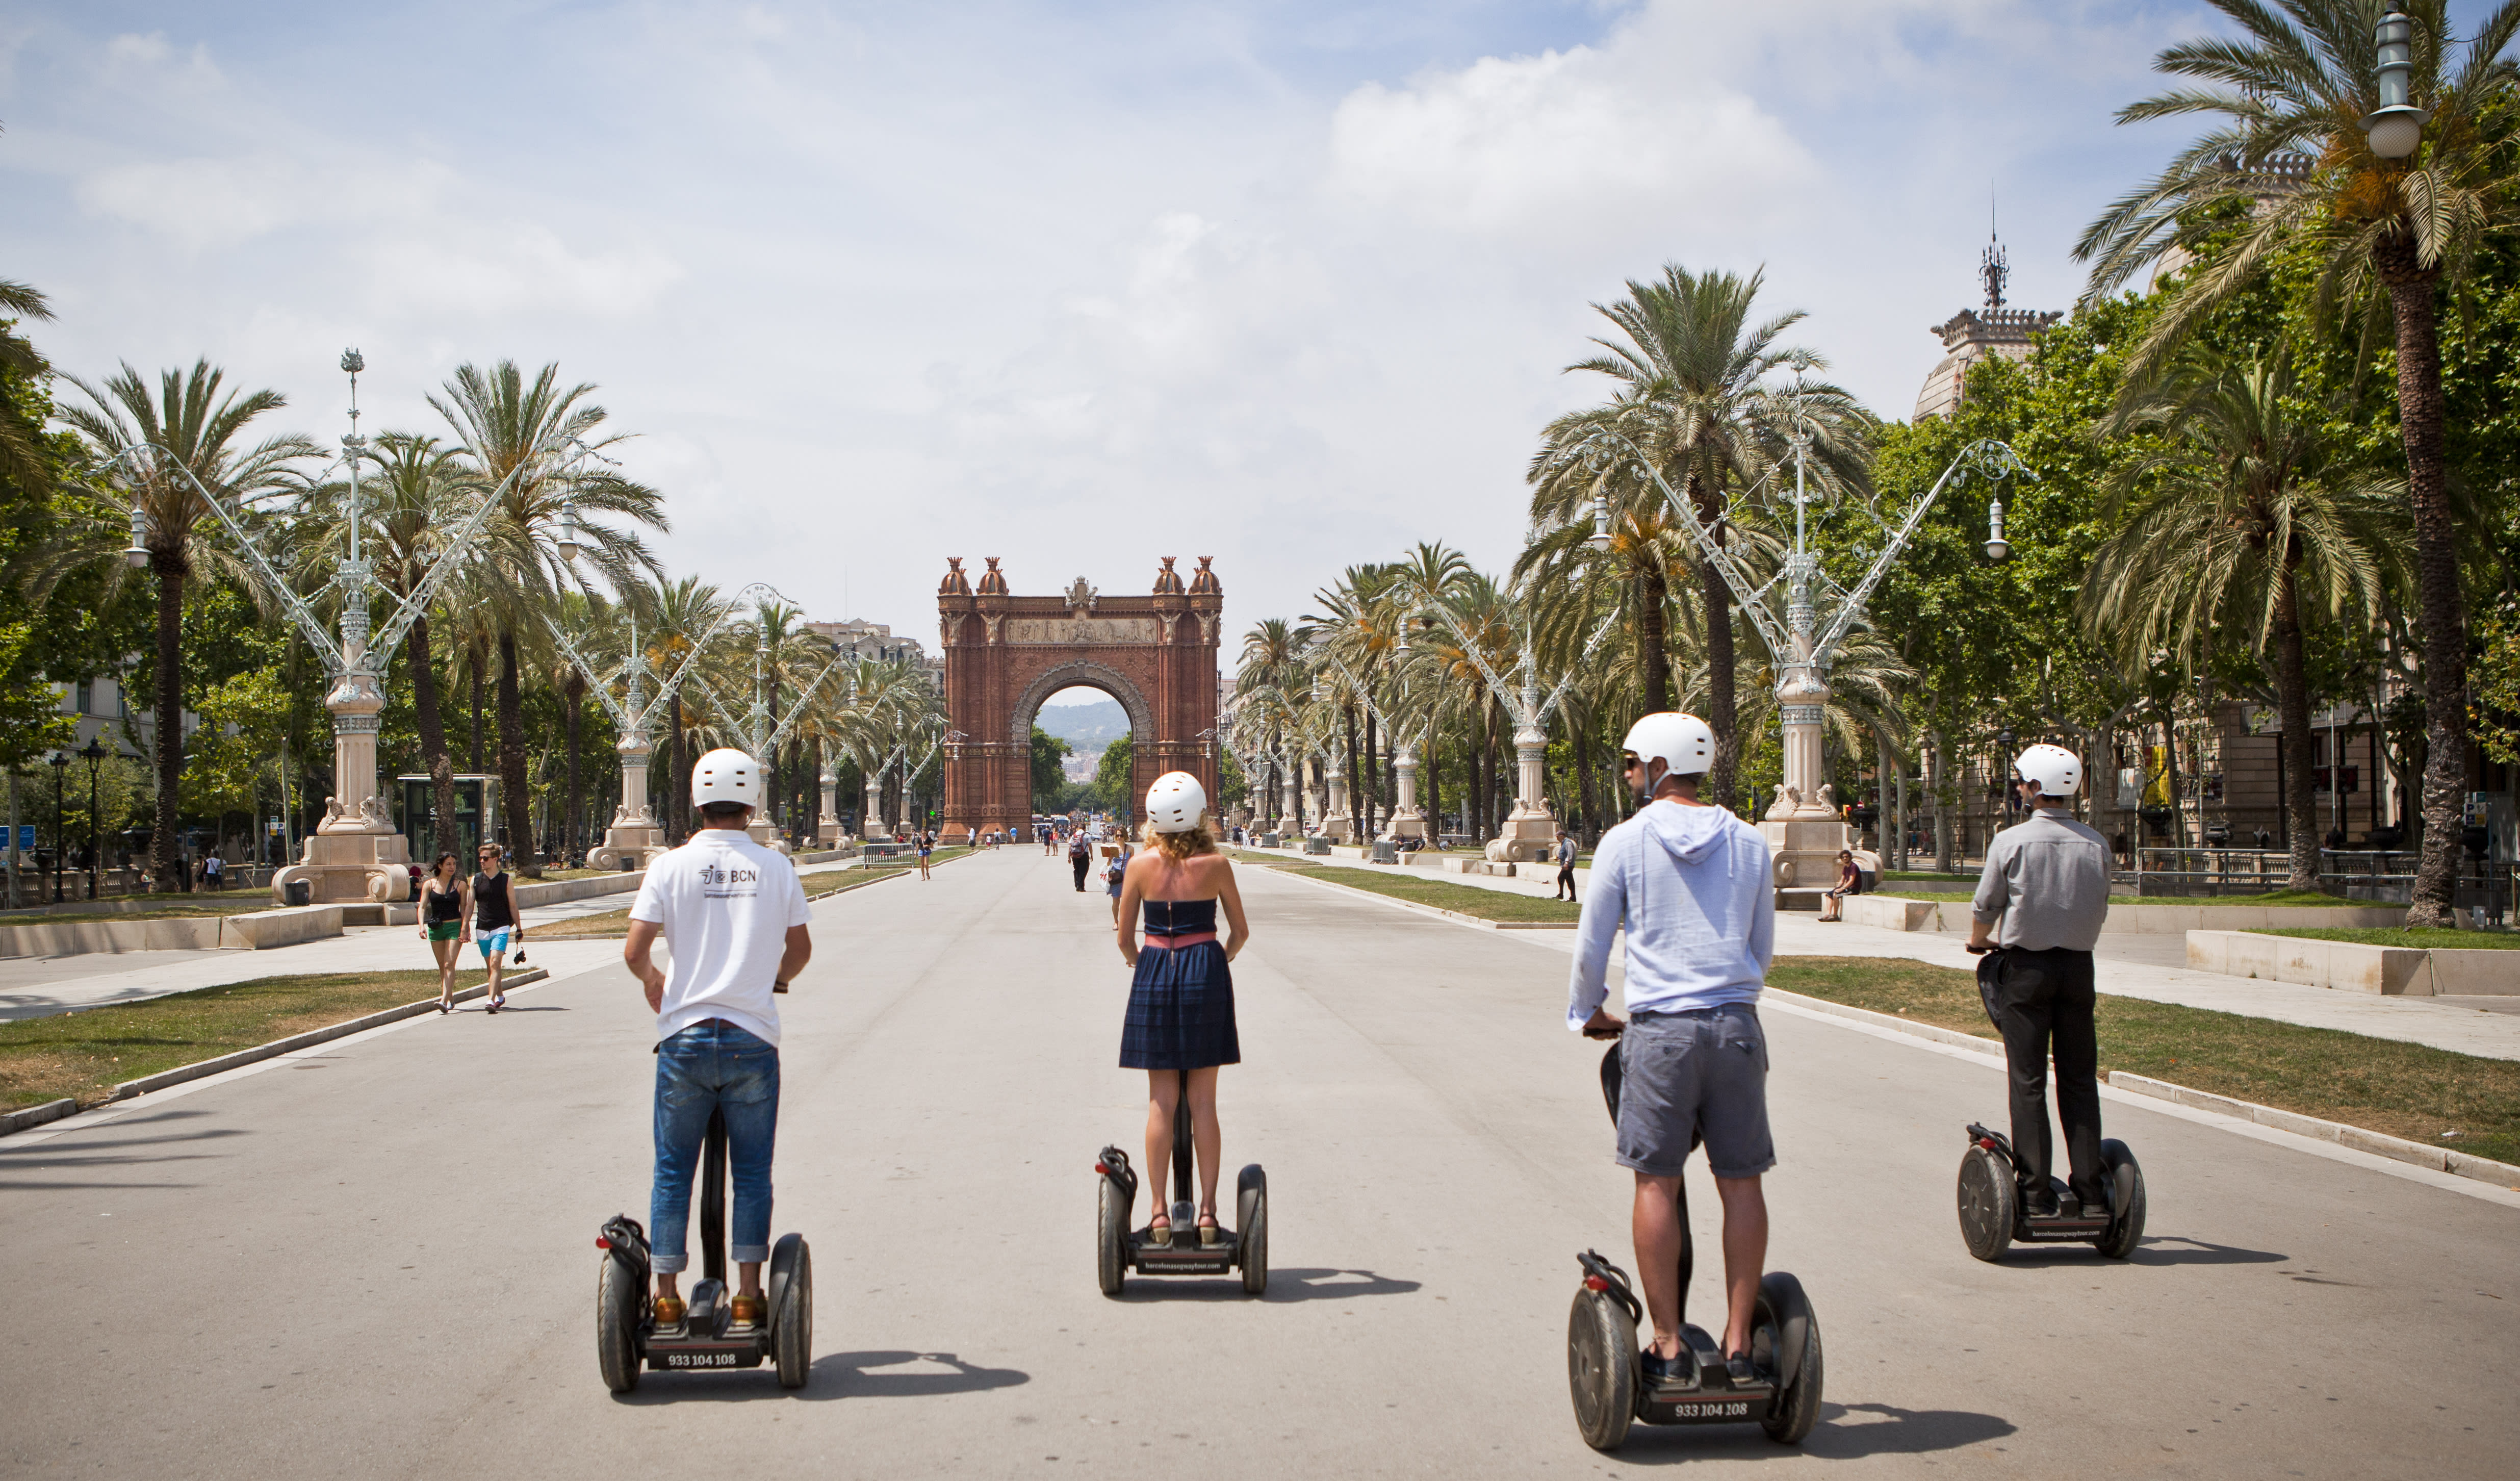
{"x": 1074, "y": 284}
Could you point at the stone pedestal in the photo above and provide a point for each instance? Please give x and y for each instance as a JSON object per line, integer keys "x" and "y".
{"x": 826, "y": 831}
{"x": 1291, "y": 814}
{"x": 1530, "y": 831}
{"x": 633, "y": 839}
{"x": 1338, "y": 823}
{"x": 356, "y": 855}
{"x": 870, "y": 824}
{"x": 1802, "y": 825}
{"x": 1407, "y": 820}
{"x": 766, "y": 834}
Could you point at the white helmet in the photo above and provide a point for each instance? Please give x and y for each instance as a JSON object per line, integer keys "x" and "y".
{"x": 726, "y": 774}
{"x": 1176, "y": 803}
{"x": 2057, "y": 771}
{"x": 1680, "y": 741}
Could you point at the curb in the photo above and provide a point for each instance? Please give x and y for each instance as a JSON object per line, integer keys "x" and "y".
{"x": 36, "y": 1115}
{"x": 2396, "y": 1148}
{"x": 1437, "y": 911}
{"x": 313, "y": 1036}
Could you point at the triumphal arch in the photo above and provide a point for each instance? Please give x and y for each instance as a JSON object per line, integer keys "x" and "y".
{"x": 1005, "y": 654}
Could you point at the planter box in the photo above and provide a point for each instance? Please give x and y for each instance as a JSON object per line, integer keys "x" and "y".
{"x": 264, "y": 929}
{"x": 2397, "y": 971}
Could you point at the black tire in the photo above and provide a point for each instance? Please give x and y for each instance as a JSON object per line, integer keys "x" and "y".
{"x": 1989, "y": 1204}
{"x": 1251, "y": 1216}
{"x": 1111, "y": 1241}
{"x": 791, "y": 1322}
{"x": 2125, "y": 1180}
{"x": 1601, "y": 1369}
{"x": 1782, "y": 1310}
{"x": 618, "y": 1295}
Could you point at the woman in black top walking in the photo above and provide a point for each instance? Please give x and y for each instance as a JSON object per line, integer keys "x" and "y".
{"x": 446, "y": 900}
{"x": 496, "y": 920}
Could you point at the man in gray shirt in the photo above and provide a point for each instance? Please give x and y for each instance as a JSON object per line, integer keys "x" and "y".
{"x": 2046, "y": 883}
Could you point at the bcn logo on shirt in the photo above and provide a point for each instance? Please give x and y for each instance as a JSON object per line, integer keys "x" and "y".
{"x": 730, "y": 882}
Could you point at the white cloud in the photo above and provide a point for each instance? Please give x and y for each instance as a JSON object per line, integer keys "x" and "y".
{"x": 1562, "y": 142}
{"x": 493, "y": 269}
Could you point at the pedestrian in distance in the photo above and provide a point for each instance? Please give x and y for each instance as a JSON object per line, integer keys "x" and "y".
{"x": 498, "y": 923}
{"x": 926, "y": 846}
{"x": 214, "y": 870}
{"x": 735, "y": 915}
{"x": 1181, "y": 1000}
{"x": 1693, "y": 887}
{"x": 445, "y": 903}
{"x": 1832, "y": 904}
{"x": 2040, "y": 902}
{"x": 1080, "y": 858}
{"x": 1116, "y": 871}
{"x": 1565, "y": 868}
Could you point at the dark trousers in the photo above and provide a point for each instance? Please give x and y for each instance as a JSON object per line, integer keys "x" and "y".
{"x": 1081, "y": 863}
{"x": 2035, "y": 1000}
{"x": 1566, "y": 880}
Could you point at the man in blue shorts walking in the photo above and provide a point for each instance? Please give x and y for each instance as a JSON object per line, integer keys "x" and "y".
{"x": 1693, "y": 886}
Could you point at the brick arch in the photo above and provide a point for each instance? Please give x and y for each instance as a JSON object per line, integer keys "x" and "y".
{"x": 1157, "y": 654}
{"x": 1080, "y": 673}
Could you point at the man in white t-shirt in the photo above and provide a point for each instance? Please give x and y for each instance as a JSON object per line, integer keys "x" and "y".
{"x": 735, "y": 915}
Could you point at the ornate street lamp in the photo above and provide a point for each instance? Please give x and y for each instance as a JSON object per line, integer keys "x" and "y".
{"x": 2396, "y": 127}
{"x": 1600, "y": 540}
{"x": 136, "y": 555}
{"x": 94, "y": 755}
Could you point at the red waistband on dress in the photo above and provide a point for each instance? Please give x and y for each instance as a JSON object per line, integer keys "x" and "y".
{"x": 1189, "y": 938}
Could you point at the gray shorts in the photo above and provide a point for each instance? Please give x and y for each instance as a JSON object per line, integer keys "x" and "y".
{"x": 1691, "y": 1077}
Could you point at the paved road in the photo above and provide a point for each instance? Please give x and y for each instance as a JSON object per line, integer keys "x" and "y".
{"x": 378, "y": 1259}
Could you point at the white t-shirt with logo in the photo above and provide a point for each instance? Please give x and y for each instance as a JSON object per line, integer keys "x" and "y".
{"x": 725, "y": 903}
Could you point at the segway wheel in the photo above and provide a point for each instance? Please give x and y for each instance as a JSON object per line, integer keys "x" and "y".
{"x": 1782, "y": 1323}
{"x": 618, "y": 1295}
{"x": 1111, "y": 1241}
{"x": 1989, "y": 1204}
{"x": 2125, "y": 1180}
{"x": 1601, "y": 1368}
{"x": 1251, "y": 1216}
{"x": 792, "y": 1315}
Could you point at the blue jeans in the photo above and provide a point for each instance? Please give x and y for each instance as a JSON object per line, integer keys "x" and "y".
{"x": 712, "y": 1066}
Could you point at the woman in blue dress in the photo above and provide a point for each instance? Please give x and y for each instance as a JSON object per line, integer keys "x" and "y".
{"x": 1181, "y": 1002}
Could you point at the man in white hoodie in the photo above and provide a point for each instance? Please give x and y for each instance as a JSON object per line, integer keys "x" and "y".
{"x": 1694, "y": 888}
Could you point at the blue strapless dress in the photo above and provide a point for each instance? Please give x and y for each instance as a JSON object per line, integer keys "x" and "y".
{"x": 1181, "y": 1005}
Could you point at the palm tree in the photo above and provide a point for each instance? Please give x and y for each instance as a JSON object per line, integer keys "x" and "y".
{"x": 22, "y": 453}
{"x": 534, "y": 432}
{"x": 2241, "y": 522}
{"x": 2289, "y": 156}
{"x": 1697, "y": 399}
{"x": 200, "y": 431}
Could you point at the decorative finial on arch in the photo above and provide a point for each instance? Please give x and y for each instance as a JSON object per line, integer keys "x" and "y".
{"x": 1204, "y": 582}
{"x": 955, "y": 584}
{"x": 1168, "y": 582}
{"x": 993, "y": 582}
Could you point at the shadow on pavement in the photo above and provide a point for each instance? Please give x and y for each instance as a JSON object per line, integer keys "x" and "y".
{"x": 1283, "y": 1286}
{"x": 1877, "y": 1429}
{"x": 2169, "y": 1249}
{"x": 834, "y": 1375}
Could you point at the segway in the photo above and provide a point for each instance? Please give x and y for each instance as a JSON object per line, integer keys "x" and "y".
{"x": 626, "y": 1333}
{"x": 1992, "y": 1215}
{"x": 1120, "y": 1249}
{"x": 1605, "y": 1365}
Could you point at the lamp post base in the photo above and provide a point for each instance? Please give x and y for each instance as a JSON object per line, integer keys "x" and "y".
{"x": 350, "y": 868}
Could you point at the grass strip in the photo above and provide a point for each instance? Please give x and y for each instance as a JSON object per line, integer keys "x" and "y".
{"x": 86, "y": 1052}
{"x": 2412, "y": 1091}
{"x": 615, "y": 923}
{"x": 2284, "y": 897}
{"x": 2426, "y": 939}
{"x": 242, "y": 903}
{"x": 1468, "y": 899}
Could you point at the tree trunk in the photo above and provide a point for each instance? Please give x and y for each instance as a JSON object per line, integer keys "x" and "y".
{"x": 164, "y": 856}
{"x": 1373, "y": 780}
{"x": 1937, "y": 789}
{"x": 512, "y": 762}
{"x": 575, "y": 837}
{"x": 1582, "y": 743}
{"x": 1654, "y": 649}
{"x": 478, "y": 660}
{"x": 2420, "y": 416}
{"x": 1480, "y": 780}
{"x": 1434, "y": 790}
{"x": 432, "y": 743}
{"x": 2292, "y": 699}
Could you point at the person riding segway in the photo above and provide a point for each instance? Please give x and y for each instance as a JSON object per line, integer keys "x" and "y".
{"x": 1693, "y": 887}
{"x": 2040, "y": 906}
{"x": 734, "y": 915}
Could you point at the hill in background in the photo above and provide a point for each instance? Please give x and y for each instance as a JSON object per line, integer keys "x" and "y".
{"x": 1088, "y": 728}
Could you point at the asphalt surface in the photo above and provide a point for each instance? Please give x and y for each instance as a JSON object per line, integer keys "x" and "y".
{"x": 378, "y": 1259}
